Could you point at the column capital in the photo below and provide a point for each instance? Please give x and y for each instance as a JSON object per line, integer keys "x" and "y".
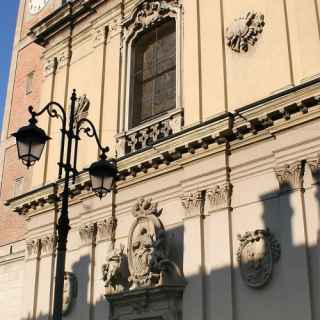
{"x": 193, "y": 203}
{"x": 290, "y": 176}
{"x": 219, "y": 197}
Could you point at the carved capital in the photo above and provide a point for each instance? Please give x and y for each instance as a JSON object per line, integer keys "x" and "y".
{"x": 48, "y": 244}
{"x": 290, "y": 177}
{"x": 106, "y": 229}
{"x": 314, "y": 165}
{"x": 192, "y": 200}
{"x": 219, "y": 196}
{"x": 100, "y": 36}
{"x": 88, "y": 233}
{"x": 50, "y": 66}
{"x": 33, "y": 248}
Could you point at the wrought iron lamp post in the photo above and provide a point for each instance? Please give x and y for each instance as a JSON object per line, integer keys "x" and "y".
{"x": 30, "y": 143}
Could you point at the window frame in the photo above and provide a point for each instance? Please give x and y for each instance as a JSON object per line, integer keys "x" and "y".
{"x": 133, "y": 29}
{"x": 133, "y": 71}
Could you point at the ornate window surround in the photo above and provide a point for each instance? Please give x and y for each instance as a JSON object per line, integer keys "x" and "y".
{"x": 146, "y": 15}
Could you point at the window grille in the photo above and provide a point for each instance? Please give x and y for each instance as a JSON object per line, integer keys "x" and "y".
{"x": 153, "y": 80}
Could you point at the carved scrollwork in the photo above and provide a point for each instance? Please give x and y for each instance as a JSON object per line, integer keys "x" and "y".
{"x": 244, "y": 31}
{"x": 150, "y": 13}
{"x": 258, "y": 252}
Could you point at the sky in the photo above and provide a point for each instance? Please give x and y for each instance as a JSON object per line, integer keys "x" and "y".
{"x": 8, "y": 15}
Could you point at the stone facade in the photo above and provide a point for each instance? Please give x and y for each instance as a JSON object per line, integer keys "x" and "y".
{"x": 234, "y": 171}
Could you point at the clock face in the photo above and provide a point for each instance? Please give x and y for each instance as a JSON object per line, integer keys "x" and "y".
{"x": 36, "y": 6}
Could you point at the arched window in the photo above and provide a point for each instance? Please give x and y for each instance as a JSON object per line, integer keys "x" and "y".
{"x": 153, "y": 76}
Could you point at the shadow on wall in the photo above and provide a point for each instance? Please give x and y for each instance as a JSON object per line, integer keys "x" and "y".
{"x": 227, "y": 296}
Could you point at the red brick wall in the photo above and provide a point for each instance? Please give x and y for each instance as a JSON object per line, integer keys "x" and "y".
{"x": 28, "y": 61}
{"x": 12, "y": 226}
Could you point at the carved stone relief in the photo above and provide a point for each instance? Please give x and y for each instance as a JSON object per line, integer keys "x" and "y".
{"x": 33, "y": 248}
{"x": 107, "y": 228}
{"x": 88, "y": 233}
{"x": 192, "y": 200}
{"x": 69, "y": 292}
{"x": 219, "y": 196}
{"x": 82, "y": 107}
{"x": 314, "y": 165}
{"x": 48, "y": 244}
{"x": 290, "y": 176}
{"x": 148, "y": 263}
{"x": 115, "y": 271}
{"x": 150, "y": 13}
{"x": 244, "y": 31}
{"x": 258, "y": 252}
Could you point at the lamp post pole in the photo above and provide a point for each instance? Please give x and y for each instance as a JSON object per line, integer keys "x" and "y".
{"x": 63, "y": 226}
{"x": 30, "y": 143}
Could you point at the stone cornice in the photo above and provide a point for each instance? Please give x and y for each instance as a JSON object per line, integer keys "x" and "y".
{"x": 187, "y": 145}
{"x": 65, "y": 16}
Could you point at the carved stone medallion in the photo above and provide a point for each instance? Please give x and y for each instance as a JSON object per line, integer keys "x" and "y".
{"x": 243, "y": 31}
{"x": 149, "y": 265}
{"x": 257, "y": 253}
{"x": 69, "y": 292}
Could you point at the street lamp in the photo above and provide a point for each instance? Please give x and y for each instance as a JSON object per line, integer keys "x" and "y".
{"x": 30, "y": 144}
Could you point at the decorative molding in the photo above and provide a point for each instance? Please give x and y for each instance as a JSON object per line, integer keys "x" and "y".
{"x": 70, "y": 289}
{"x": 82, "y": 107}
{"x": 100, "y": 36}
{"x": 33, "y": 248}
{"x": 192, "y": 200}
{"x": 88, "y": 233}
{"x": 107, "y": 229}
{"x": 48, "y": 244}
{"x": 244, "y": 31}
{"x": 115, "y": 271}
{"x": 314, "y": 165}
{"x": 50, "y": 66}
{"x": 148, "y": 14}
{"x": 220, "y": 196}
{"x": 290, "y": 176}
{"x": 258, "y": 252}
{"x": 148, "y": 261}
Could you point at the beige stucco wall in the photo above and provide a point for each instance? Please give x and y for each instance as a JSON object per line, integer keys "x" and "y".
{"x": 214, "y": 79}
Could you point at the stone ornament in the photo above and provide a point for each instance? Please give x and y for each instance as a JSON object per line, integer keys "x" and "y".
{"x": 48, "y": 244}
{"x": 290, "y": 176}
{"x": 314, "y": 165}
{"x": 69, "y": 292}
{"x": 220, "y": 196}
{"x": 107, "y": 229}
{"x": 192, "y": 200}
{"x": 115, "y": 271}
{"x": 33, "y": 248}
{"x": 88, "y": 233}
{"x": 82, "y": 107}
{"x": 148, "y": 263}
{"x": 150, "y": 13}
{"x": 244, "y": 31}
{"x": 258, "y": 252}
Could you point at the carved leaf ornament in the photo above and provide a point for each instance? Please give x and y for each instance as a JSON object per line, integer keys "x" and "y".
{"x": 258, "y": 252}
{"x": 244, "y": 31}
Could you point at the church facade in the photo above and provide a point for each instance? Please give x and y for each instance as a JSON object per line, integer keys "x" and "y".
{"x": 211, "y": 112}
